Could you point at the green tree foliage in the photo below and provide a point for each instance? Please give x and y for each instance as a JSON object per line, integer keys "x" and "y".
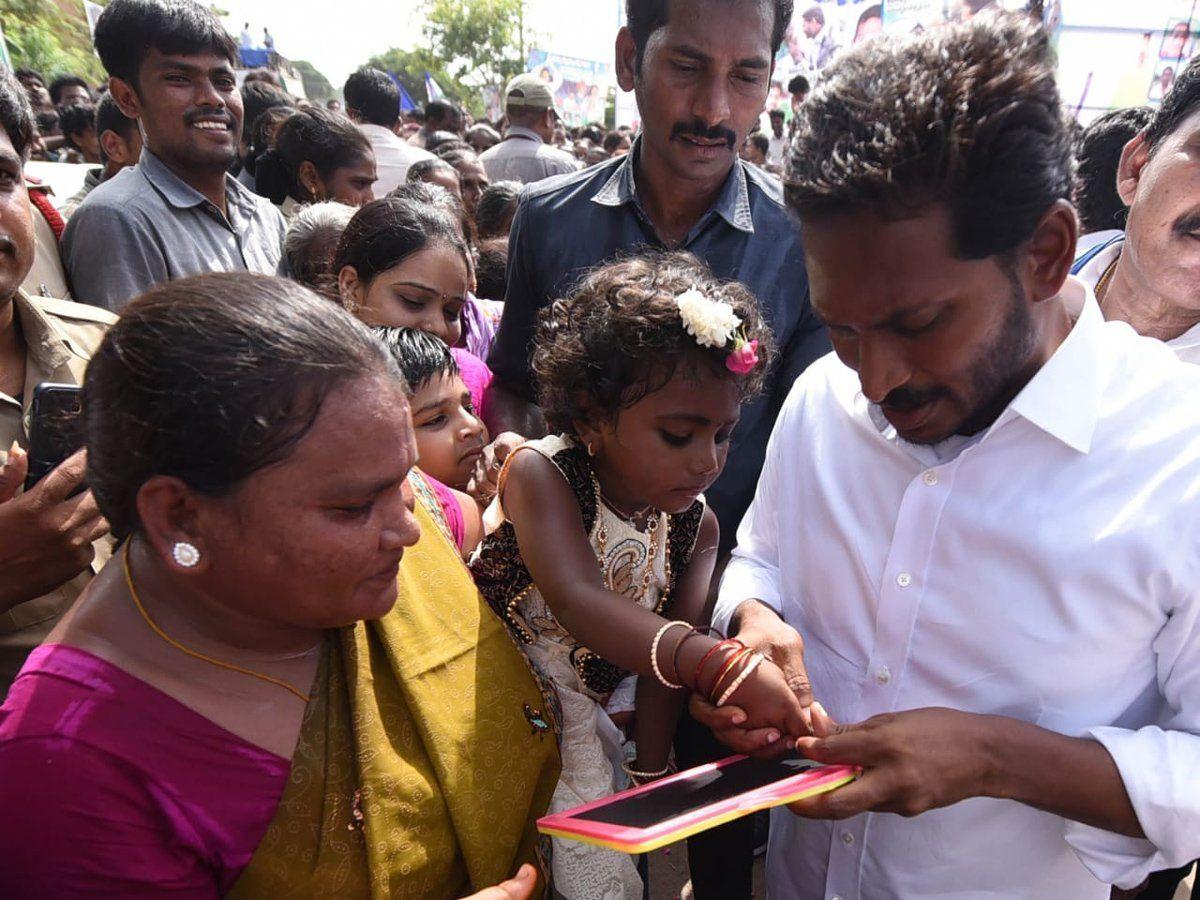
{"x": 482, "y": 41}
{"x": 316, "y": 86}
{"x": 410, "y": 67}
{"x": 51, "y": 37}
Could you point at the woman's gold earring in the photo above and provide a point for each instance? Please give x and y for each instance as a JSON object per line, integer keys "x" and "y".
{"x": 591, "y": 450}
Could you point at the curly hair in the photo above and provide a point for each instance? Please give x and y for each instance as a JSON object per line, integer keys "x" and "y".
{"x": 966, "y": 115}
{"x": 618, "y": 337}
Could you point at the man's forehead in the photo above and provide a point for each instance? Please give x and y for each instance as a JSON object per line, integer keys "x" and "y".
{"x": 739, "y": 28}
{"x": 205, "y": 60}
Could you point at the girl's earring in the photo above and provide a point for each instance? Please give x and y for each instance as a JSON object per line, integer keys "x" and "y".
{"x": 591, "y": 450}
{"x": 185, "y": 554}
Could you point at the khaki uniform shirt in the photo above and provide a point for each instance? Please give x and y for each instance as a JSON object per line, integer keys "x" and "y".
{"x": 60, "y": 337}
{"x": 47, "y": 277}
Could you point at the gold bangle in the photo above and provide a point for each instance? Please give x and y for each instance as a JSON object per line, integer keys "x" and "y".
{"x": 737, "y": 682}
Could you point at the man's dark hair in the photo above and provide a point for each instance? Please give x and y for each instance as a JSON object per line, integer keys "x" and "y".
{"x": 264, "y": 75}
{"x": 445, "y": 141}
{"x": 613, "y": 140}
{"x": 110, "y": 118}
{"x": 594, "y": 133}
{"x": 420, "y": 355}
{"x": 76, "y": 118}
{"x": 257, "y": 98}
{"x": 441, "y": 113}
{"x": 62, "y": 82}
{"x": 644, "y": 17}
{"x": 799, "y": 85}
{"x": 761, "y": 141}
{"x": 1097, "y": 155}
{"x": 497, "y": 206}
{"x": 128, "y": 30}
{"x": 814, "y": 14}
{"x": 30, "y": 73}
{"x": 776, "y": 114}
{"x": 422, "y": 167}
{"x": 965, "y": 115}
{"x": 16, "y": 115}
{"x": 1181, "y": 101}
{"x": 491, "y": 267}
{"x": 372, "y": 96}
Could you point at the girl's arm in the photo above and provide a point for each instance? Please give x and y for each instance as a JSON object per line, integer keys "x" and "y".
{"x": 658, "y": 707}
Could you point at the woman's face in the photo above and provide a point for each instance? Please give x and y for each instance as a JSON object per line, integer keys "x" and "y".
{"x": 352, "y": 184}
{"x": 425, "y": 291}
{"x": 315, "y": 541}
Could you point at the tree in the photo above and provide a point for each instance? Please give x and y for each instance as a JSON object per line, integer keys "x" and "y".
{"x": 316, "y": 86}
{"x": 51, "y": 38}
{"x": 410, "y": 67}
{"x": 482, "y": 41}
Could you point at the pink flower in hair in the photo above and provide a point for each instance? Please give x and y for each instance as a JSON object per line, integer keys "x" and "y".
{"x": 743, "y": 359}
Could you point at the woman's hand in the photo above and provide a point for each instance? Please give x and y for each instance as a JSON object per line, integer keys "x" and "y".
{"x": 520, "y": 887}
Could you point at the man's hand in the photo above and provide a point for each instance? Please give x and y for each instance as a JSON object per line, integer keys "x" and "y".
{"x": 519, "y": 887}
{"x": 912, "y": 762}
{"x": 485, "y": 480}
{"x": 759, "y": 628}
{"x": 45, "y": 534}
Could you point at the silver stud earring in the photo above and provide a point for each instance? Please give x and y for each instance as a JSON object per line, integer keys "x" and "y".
{"x": 185, "y": 554}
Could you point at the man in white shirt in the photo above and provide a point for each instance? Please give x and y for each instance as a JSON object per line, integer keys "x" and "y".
{"x": 373, "y": 101}
{"x": 777, "y": 152}
{"x": 1102, "y": 213}
{"x": 981, "y": 514}
{"x": 1150, "y": 275}
{"x": 525, "y": 154}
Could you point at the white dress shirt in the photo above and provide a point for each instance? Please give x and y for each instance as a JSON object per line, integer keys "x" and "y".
{"x": 1047, "y": 570}
{"x": 1187, "y": 345}
{"x": 392, "y": 158}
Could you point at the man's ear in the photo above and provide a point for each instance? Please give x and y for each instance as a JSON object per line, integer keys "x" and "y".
{"x": 126, "y": 97}
{"x": 627, "y": 62}
{"x": 1129, "y": 170}
{"x": 1052, "y": 251}
{"x": 113, "y": 146}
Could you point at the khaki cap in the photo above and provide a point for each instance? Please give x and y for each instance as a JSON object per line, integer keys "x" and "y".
{"x": 528, "y": 91}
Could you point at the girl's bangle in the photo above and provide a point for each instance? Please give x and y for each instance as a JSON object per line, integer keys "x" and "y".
{"x": 728, "y": 670}
{"x": 640, "y": 777}
{"x": 695, "y": 632}
{"x": 755, "y": 659}
{"x": 712, "y": 651}
{"x": 654, "y": 653}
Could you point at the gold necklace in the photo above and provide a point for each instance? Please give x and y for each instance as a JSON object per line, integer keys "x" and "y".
{"x": 195, "y": 653}
{"x": 1105, "y": 278}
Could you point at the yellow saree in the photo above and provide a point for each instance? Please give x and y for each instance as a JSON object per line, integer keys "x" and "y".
{"x": 424, "y": 758}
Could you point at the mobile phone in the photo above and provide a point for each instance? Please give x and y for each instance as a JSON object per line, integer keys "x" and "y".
{"x": 55, "y": 429}
{"x": 654, "y": 815}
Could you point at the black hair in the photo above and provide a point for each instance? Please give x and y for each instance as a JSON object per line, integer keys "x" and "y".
{"x": 439, "y": 139}
{"x": 491, "y": 269}
{"x": 815, "y": 14}
{"x": 594, "y": 133}
{"x": 16, "y": 115}
{"x": 422, "y": 167}
{"x": 386, "y": 232}
{"x": 30, "y": 73}
{"x": 257, "y": 98}
{"x": 644, "y": 17}
{"x": 421, "y": 356}
{"x": 76, "y": 118}
{"x": 967, "y": 116}
{"x": 262, "y": 137}
{"x": 213, "y": 378}
{"x": 110, "y": 118}
{"x": 442, "y": 111}
{"x": 326, "y": 139}
{"x": 1181, "y": 101}
{"x": 497, "y": 206}
{"x": 613, "y": 140}
{"x": 62, "y": 82}
{"x": 1097, "y": 156}
{"x": 373, "y": 97}
{"x": 128, "y": 30}
{"x": 47, "y": 122}
{"x": 761, "y": 141}
{"x": 799, "y": 85}
{"x": 776, "y": 114}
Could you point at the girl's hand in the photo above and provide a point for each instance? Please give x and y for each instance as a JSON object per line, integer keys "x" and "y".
{"x": 766, "y": 712}
{"x": 486, "y": 479}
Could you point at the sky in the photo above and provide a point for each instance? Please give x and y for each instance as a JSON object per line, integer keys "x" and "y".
{"x": 337, "y": 36}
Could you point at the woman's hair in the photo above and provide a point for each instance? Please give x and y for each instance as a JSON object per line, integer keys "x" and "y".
{"x": 619, "y": 337}
{"x": 496, "y": 208}
{"x": 421, "y": 356}
{"x": 326, "y": 139}
{"x": 262, "y": 135}
{"x": 432, "y": 194}
{"x": 422, "y": 167}
{"x": 386, "y": 232}
{"x": 311, "y": 241}
{"x": 211, "y": 379}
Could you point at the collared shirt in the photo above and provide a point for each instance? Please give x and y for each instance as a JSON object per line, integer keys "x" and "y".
{"x": 145, "y": 226}
{"x": 60, "y": 337}
{"x": 393, "y": 157}
{"x": 91, "y": 181}
{"x": 777, "y": 154}
{"x": 1091, "y": 264}
{"x": 1048, "y": 571}
{"x": 46, "y": 277}
{"x": 523, "y": 156}
{"x": 567, "y": 225}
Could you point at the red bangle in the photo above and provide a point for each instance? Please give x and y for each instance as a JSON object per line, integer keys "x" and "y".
{"x": 683, "y": 640}
{"x": 730, "y": 667}
{"x": 726, "y": 644}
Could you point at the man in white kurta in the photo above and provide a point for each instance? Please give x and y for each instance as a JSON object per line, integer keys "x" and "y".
{"x": 981, "y": 513}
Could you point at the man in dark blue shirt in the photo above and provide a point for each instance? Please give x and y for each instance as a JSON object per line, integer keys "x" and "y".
{"x": 701, "y": 75}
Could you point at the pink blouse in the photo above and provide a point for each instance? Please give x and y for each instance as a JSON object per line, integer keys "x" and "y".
{"x": 476, "y": 376}
{"x": 111, "y": 787}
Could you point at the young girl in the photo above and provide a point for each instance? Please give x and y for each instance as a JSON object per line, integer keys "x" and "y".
{"x": 450, "y": 437}
{"x": 603, "y": 546}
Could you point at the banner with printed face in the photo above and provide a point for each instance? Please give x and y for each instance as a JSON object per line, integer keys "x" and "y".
{"x": 580, "y": 86}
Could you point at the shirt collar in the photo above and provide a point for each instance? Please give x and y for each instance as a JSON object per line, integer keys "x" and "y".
{"x": 526, "y": 133}
{"x": 1063, "y": 398}
{"x": 732, "y": 203}
{"x": 182, "y": 195}
{"x": 47, "y": 346}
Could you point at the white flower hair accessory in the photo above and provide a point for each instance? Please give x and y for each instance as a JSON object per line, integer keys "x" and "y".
{"x": 711, "y": 322}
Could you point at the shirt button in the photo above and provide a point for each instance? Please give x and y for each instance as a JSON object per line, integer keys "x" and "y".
{"x": 930, "y": 478}
{"x": 904, "y": 579}
{"x": 882, "y": 675}
{"x": 847, "y": 839}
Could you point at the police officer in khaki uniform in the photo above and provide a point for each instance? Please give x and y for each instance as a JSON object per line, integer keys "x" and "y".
{"x": 50, "y": 542}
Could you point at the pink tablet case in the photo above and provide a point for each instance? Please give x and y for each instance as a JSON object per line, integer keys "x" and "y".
{"x": 642, "y": 840}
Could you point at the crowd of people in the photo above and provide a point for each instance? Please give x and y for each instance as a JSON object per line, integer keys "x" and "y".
{"x": 436, "y": 475}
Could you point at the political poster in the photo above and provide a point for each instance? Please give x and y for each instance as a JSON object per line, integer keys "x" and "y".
{"x": 580, "y": 86}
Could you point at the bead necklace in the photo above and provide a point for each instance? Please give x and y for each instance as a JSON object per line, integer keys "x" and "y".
{"x": 137, "y": 601}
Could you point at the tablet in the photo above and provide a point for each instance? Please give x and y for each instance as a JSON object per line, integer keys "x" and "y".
{"x": 645, "y": 818}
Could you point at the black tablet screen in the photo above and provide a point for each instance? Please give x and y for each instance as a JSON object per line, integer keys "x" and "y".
{"x": 693, "y": 793}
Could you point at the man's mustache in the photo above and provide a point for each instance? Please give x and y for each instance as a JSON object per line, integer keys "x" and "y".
{"x": 697, "y": 129}
{"x": 906, "y": 399}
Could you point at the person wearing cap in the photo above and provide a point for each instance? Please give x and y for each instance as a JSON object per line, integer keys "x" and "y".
{"x": 525, "y": 154}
